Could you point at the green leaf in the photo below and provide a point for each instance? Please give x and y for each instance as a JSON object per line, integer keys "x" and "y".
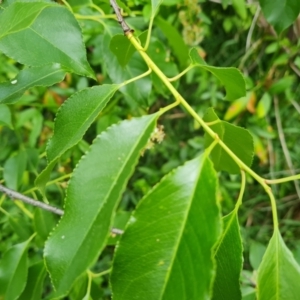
{"x": 13, "y": 271}
{"x": 93, "y": 193}
{"x": 155, "y": 4}
{"x": 14, "y": 168}
{"x": 5, "y": 115}
{"x": 263, "y": 106}
{"x": 47, "y": 75}
{"x": 137, "y": 92}
{"x": 236, "y": 108}
{"x": 122, "y": 48}
{"x": 175, "y": 40}
{"x": 73, "y": 119}
{"x": 281, "y": 14}
{"x": 237, "y": 139}
{"x": 240, "y": 8}
{"x": 166, "y": 250}
{"x": 44, "y": 222}
{"x": 31, "y": 41}
{"x": 231, "y": 78}
{"x": 278, "y": 273}
{"x": 20, "y": 226}
{"x": 256, "y": 253}
{"x": 35, "y": 280}
{"x": 229, "y": 258}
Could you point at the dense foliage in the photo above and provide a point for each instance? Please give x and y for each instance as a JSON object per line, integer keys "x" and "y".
{"x": 162, "y": 150}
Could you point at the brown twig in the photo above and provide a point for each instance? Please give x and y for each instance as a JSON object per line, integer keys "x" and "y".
{"x": 18, "y": 196}
{"x": 120, "y": 18}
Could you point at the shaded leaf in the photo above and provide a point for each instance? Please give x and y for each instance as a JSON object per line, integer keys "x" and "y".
{"x": 231, "y": 78}
{"x": 175, "y": 40}
{"x": 280, "y": 14}
{"x": 43, "y": 222}
{"x": 35, "y": 280}
{"x": 166, "y": 250}
{"x": 137, "y": 92}
{"x": 61, "y": 43}
{"x": 5, "y": 115}
{"x": 229, "y": 258}
{"x": 14, "y": 168}
{"x": 47, "y": 75}
{"x": 278, "y": 273}
{"x": 256, "y": 253}
{"x": 13, "y": 271}
{"x": 93, "y": 193}
{"x": 237, "y": 139}
{"x": 122, "y": 48}
{"x": 73, "y": 119}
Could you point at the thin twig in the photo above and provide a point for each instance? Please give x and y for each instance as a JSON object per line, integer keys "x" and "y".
{"x": 250, "y": 33}
{"x": 120, "y": 18}
{"x": 283, "y": 144}
{"x": 18, "y": 196}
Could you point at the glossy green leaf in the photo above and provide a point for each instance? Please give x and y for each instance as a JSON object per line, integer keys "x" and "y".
{"x": 93, "y": 193}
{"x": 47, "y": 75}
{"x": 14, "y": 168}
{"x": 72, "y": 121}
{"x": 263, "y": 106}
{"x": 231, "y": 78}
{"x": 180, "y": 49}
{"x": 122, "y": 48}
{"x": 5, "y": 115}
{"x": 237, "y": 139}
{"x": 229, "y": 258}
{"x": 27, "y": 37}
{"x": 278, "y": 273}
{"x": 13, "y": 271}
{"x": 137, "y": 92}
{"x": 166, "y": 250}
{"x": 280, "y": 13}
{"x": 35, "y": 280}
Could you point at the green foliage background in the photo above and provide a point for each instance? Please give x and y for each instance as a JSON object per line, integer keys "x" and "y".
{"x": 225, "y": 35}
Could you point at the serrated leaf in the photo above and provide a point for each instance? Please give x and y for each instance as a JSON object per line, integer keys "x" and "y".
{"x": 5, "y": 115}
{"x": 278, "y": 273}
{"x": 175, "y": 40}
{"x": 229, "y": 258}
{"x": 72, "y": 120}
{"x": 238, "y": 139}
{"x": 47, "y": 75}
{"x": 281, "y": 14}
{"x": 35, "y": 280}
{"x": 166, "y": 250}
{"x": 27, "y": 37}
{"x": 137, "y": 92}
{"x": 13, "y": 271}
{"x": 231, "y": 78}
{"x": 93, "y": 193}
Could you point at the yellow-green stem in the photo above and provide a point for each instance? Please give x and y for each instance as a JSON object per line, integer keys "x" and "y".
{"x": 206, "y": 127}
{"x": 281, "y": 180}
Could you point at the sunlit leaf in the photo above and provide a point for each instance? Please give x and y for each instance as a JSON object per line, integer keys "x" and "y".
{"x": 47, "y": 75}
{"x": 27, "y": 37}
{"x": 231, "y": 78}
{"x": 72, "y": 121}
{"x": 263, "y": 106}
{"x": 93, "y": 193}
{"x": 166, "y": 250}
{"x": 278, "y": 273}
